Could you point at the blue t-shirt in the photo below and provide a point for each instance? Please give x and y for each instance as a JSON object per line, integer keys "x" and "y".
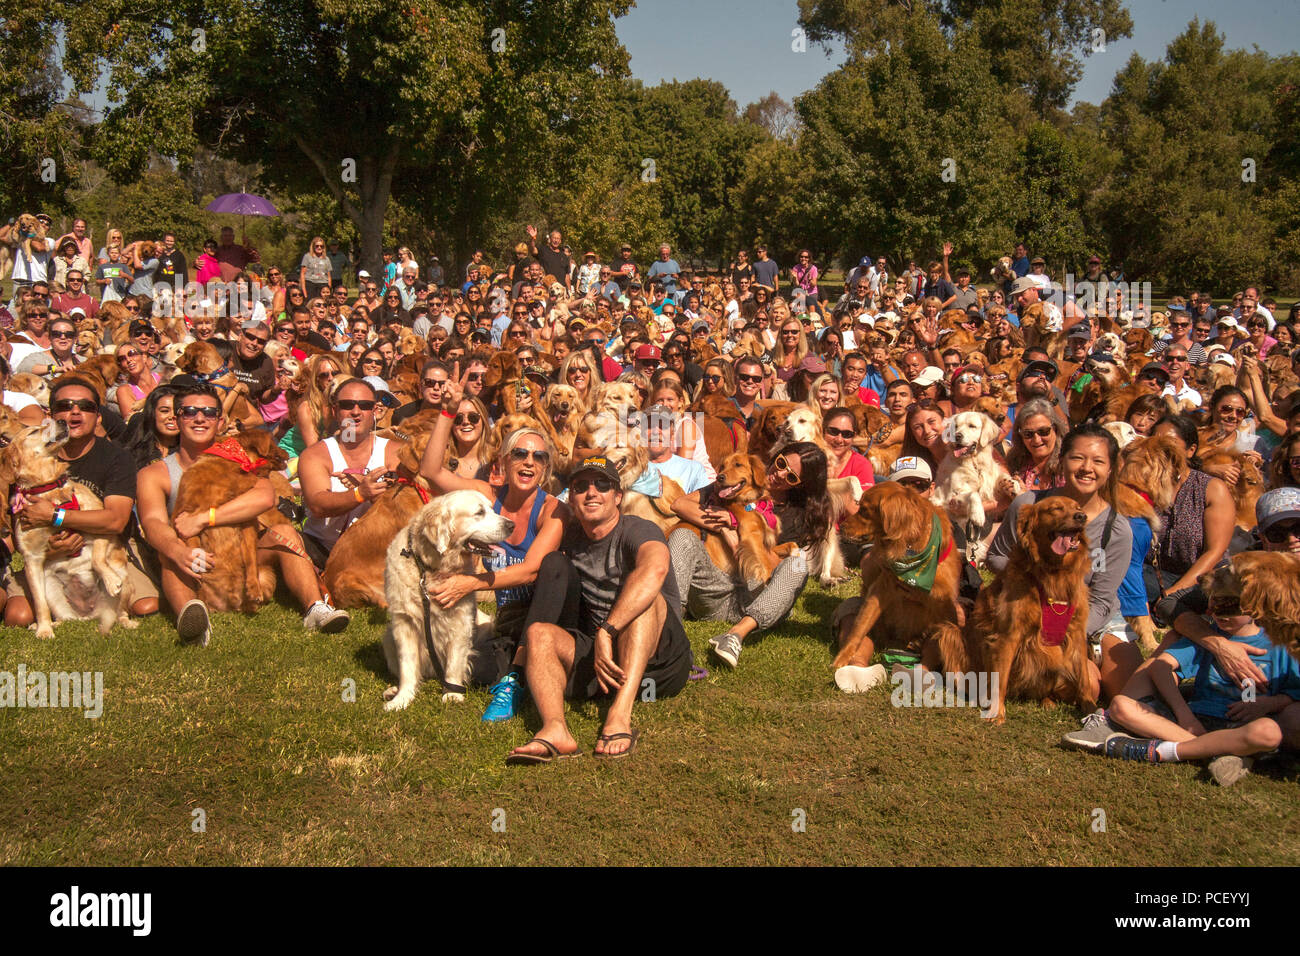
{"x": 874, "y": 381}
{"x": 1132, "y": 590}
{"x": 668, "y": 270}
{"x": 686, "y": 472}
{"x": 1213, "y": 692}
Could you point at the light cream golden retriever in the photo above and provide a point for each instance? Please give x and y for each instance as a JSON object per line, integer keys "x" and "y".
{"x": 967, "y": 477}
{"x": 443, "y": 538}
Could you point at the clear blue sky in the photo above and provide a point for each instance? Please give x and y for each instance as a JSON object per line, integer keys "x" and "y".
{"x": 747, "y": 46}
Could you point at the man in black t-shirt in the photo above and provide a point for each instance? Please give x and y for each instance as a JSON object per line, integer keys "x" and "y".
{"x": 104, "y": 468}
{"x": 554, "y": 260}
{"x": 605, "y": 618}
{"x": 251, "y": 365}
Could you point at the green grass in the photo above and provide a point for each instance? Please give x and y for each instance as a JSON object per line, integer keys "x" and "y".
{"x": 254, "y": 731}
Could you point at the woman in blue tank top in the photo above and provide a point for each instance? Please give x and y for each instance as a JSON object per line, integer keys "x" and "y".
{"x": 514, "y": 485}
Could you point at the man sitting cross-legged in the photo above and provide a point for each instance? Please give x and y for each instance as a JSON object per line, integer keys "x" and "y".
{"x": 605, "y": 619}
{"x": 198, "y": 409}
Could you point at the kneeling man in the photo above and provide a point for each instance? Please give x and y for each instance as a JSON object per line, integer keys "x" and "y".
{"x": 605, "y": 619}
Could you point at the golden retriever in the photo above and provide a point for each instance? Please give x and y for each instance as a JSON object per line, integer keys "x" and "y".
{"x": 1029, "y": 626}
{"x": 967, "y": 476}
{"x": 423, "y": 639}
{"x": 89, "y": 584}
{"x": 1267, "y": 586}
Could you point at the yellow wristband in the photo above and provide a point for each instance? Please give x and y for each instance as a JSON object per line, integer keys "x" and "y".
{"x": 212, "y": 517}
{"x": 356, "y": 493}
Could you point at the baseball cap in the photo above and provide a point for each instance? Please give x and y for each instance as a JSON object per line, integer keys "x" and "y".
{"x": 1229, "y": 322}
{"x": 961, "y": 369}
{"x": 1081, "y": 331}
{"x": 598, "y": 464}
{"x": 1023, "y": 284}
{"x": 930, "y": 375}
{"x": 1277, "y": 505}
{"x": 363, "y": 274}
{"x": 865, "y": 261}
{"x": 646, "y": 352}
{"x": 481, "y": 335}
{"x": 381, "y": 390}
{"x": 699, "y": 325}
{"x": 812, "y": 363}
{"x": 1039, "y": 367}
{"x": 1154, "y": 367}
{"x": 77, "y": 310}
{"x": 910, "y": 466}
{"x": 144, "y": 325}
{"x": 1223, "y": 358}
{"x": 1094, "y": 259}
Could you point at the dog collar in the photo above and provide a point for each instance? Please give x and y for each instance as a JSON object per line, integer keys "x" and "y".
{"x": 919, "y": 570}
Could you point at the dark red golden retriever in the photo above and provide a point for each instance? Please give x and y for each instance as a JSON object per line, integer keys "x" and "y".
{"x": 1029, "y": 626}
{"x": 894, "y": 614}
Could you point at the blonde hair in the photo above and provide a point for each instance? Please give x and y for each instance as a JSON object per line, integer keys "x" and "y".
{"x": 779, "y": 352}
{"x": 563, "y": 378}
{"x": 816, "y": 385}
{"x": 306, "y": 386}
{"x": 512, "y": 441}
{"x": 482, "y": 449}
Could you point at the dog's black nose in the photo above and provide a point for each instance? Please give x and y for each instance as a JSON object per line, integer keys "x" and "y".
{"x": 1080, "y": 517}
{"x": 510, "y": 526}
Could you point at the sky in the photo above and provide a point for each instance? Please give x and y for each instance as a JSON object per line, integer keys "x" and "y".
{"x": 746, "y": 46}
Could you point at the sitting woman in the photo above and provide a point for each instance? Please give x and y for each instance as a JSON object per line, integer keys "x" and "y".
{"x": 690, "y": 441}
{"x": 800, "y": 512}
{"x": 718, "y": 379}
{"x": 923, "y": 433}
{"x": 523, "y": 466}
{"x": 1144, "y": 412}
{"x": 1034, "y": 458}
{"x": 1195, "y": 531}
{"x": 310, "y": 416}
{"x": 1090, "y": 475}
{"x": 824, "y": 393}
{"x": 467, "y": 454}
{"x": 138, "y": 379}
{"x": 840, "y": 429}
{"x": 153, "y": 432}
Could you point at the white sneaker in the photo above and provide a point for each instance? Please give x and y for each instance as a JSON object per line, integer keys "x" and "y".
{"x": 857, "y": 680}
{"x": 322, "y": 617}
{"x": 193, "y": 625}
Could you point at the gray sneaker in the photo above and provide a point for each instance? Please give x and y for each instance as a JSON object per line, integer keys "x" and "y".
{"x": 726, "y": 647}
{"x": 1228, "y": 769}
{"x": 193, "y": 625}
{"x": 322, "y": 617}
{"x": 1094, "y": 734}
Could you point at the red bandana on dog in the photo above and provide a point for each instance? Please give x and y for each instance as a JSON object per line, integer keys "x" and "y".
{"x": 1056, "y": 620}
{"x": 231, "y": 450}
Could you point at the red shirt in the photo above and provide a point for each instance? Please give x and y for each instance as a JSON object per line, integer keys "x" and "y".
{"x": 65, "y": 303}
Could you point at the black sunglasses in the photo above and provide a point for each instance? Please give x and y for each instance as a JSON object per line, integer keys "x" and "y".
{"x": 210, "y": 412}
{"x": 521, "y": 455}
{"x": 365, "y": 404}
{"x": 68, "y": 404}
{"x": 1281, "y": 531}
{"x": 603, "y": 483}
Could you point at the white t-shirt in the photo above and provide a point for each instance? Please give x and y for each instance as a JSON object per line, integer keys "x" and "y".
{"x": 20, "y": 351}
{"x": 32, "y": 268}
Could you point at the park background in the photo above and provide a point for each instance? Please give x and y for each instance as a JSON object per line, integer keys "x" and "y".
{"x": 1140, "y": 131}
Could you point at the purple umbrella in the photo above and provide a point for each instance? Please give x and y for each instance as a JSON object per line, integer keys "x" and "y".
{"x": 243, "y": 204}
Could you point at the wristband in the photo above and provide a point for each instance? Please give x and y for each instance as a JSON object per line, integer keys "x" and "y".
{"x": 212, "y": 517}
{"x": 447, "y": 414}
{"x": 59, "y": 515}
{"x": 356, "y": 493}
{"x": 606, "y": 626}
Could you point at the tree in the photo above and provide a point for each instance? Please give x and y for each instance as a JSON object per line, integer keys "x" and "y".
{"x": 1051, "y": 193}
{"x": 38, "y": 139}
{"x": 1035, "y": 46}
{"x": 908, "y": 147}
{"x": 777, "y": 117}
{"x": 354, "y": 96}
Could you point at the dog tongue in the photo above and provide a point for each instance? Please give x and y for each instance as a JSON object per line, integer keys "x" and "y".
{"x": 726, "y": 492}
{"x": 1061, "y": 544}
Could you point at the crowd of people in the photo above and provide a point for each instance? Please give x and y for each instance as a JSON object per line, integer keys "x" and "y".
{"x": 590, "y": 600}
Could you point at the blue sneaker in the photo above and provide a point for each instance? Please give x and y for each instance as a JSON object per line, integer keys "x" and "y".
{"x": 505, "y": 693}
{"x": 1132, "y": 748}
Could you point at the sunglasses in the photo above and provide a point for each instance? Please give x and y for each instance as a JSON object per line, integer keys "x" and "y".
{"x": 1036, "y": 432}
{"x": 462, "y": 418}
{"x": 365, "y": 404}
{"x": 255, "y": 338}
{"x": 1226, "y": 607}
{"x": 68, "y": 404}
{"x": 1236, "y": 411}
{"x": 210, "y": 412}
{"x": 372, "y": 361}
{"x": 521, "y": 455}
{"x": 433, "y": 382}
{"x": 474, "y": 377}
{"x": 518, "y": 334}
{"x": 62, "y": 334}
{"x": 43, "y": 315}
{"x": 713, "y": 379}
{"x": 839, "y": 432}
{"x": 579, "y": 368}
{"x": 783, "y": 467}
{"x": 916, "y": 484}
{"x": 603, "y": 484}
{"x": 969, "y": 377}
{"x": 132, "y": 353}
{"x": 1149, "y": 377}
{"x": 595, "y": 341}
{"x": 751, "y": 379}
{"x": 1175, "y": 358}
{"x": 132, "y": 309}
{"x": 1281, "y": 531}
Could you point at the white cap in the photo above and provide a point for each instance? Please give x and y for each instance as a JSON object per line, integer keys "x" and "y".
{"x": 77, "y": 310}
{"x": 1223, "y": 358}
{"x": 910, "y": 466}
{"x": 363, "y": 274}
{"x": 930, "y": 375}
{"x": 868, "y": 318}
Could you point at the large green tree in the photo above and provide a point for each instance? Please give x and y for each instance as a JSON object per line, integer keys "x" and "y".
{"x": 363, "y": 98}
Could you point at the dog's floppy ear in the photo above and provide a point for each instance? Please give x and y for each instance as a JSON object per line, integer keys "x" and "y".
{"x": 949, "y": 430}
{"x": 438, "y": 525}
{"x": 1027, "y": 529}
{"x": 988, "y": 431}
{"x": 758, "y": 473}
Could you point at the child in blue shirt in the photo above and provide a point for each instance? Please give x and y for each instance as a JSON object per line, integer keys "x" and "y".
{"x": 1218, "y": 721}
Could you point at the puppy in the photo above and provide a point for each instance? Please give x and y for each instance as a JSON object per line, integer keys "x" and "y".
{"x": 89, "y": 584}
{"x": 969, "y": 474}
{"x": 1030, "y": 623}
{"x": 422, "y": 638}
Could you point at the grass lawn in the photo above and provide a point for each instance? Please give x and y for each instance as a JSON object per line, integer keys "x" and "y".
{"x": 255, "y": 732}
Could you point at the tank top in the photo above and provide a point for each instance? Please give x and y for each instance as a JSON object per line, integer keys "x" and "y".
{"x": 328, "y": 530}
{"x": 174, "y": 473}
{"x": 515, "y": 553}
{"x": 1182, "y": 537}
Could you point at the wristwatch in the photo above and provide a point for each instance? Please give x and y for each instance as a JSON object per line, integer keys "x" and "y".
{"x": 613, "y": 631}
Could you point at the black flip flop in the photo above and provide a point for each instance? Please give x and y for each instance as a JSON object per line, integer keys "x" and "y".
{"x": 552, "y": 753}
{"x": 633, "y": 737}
